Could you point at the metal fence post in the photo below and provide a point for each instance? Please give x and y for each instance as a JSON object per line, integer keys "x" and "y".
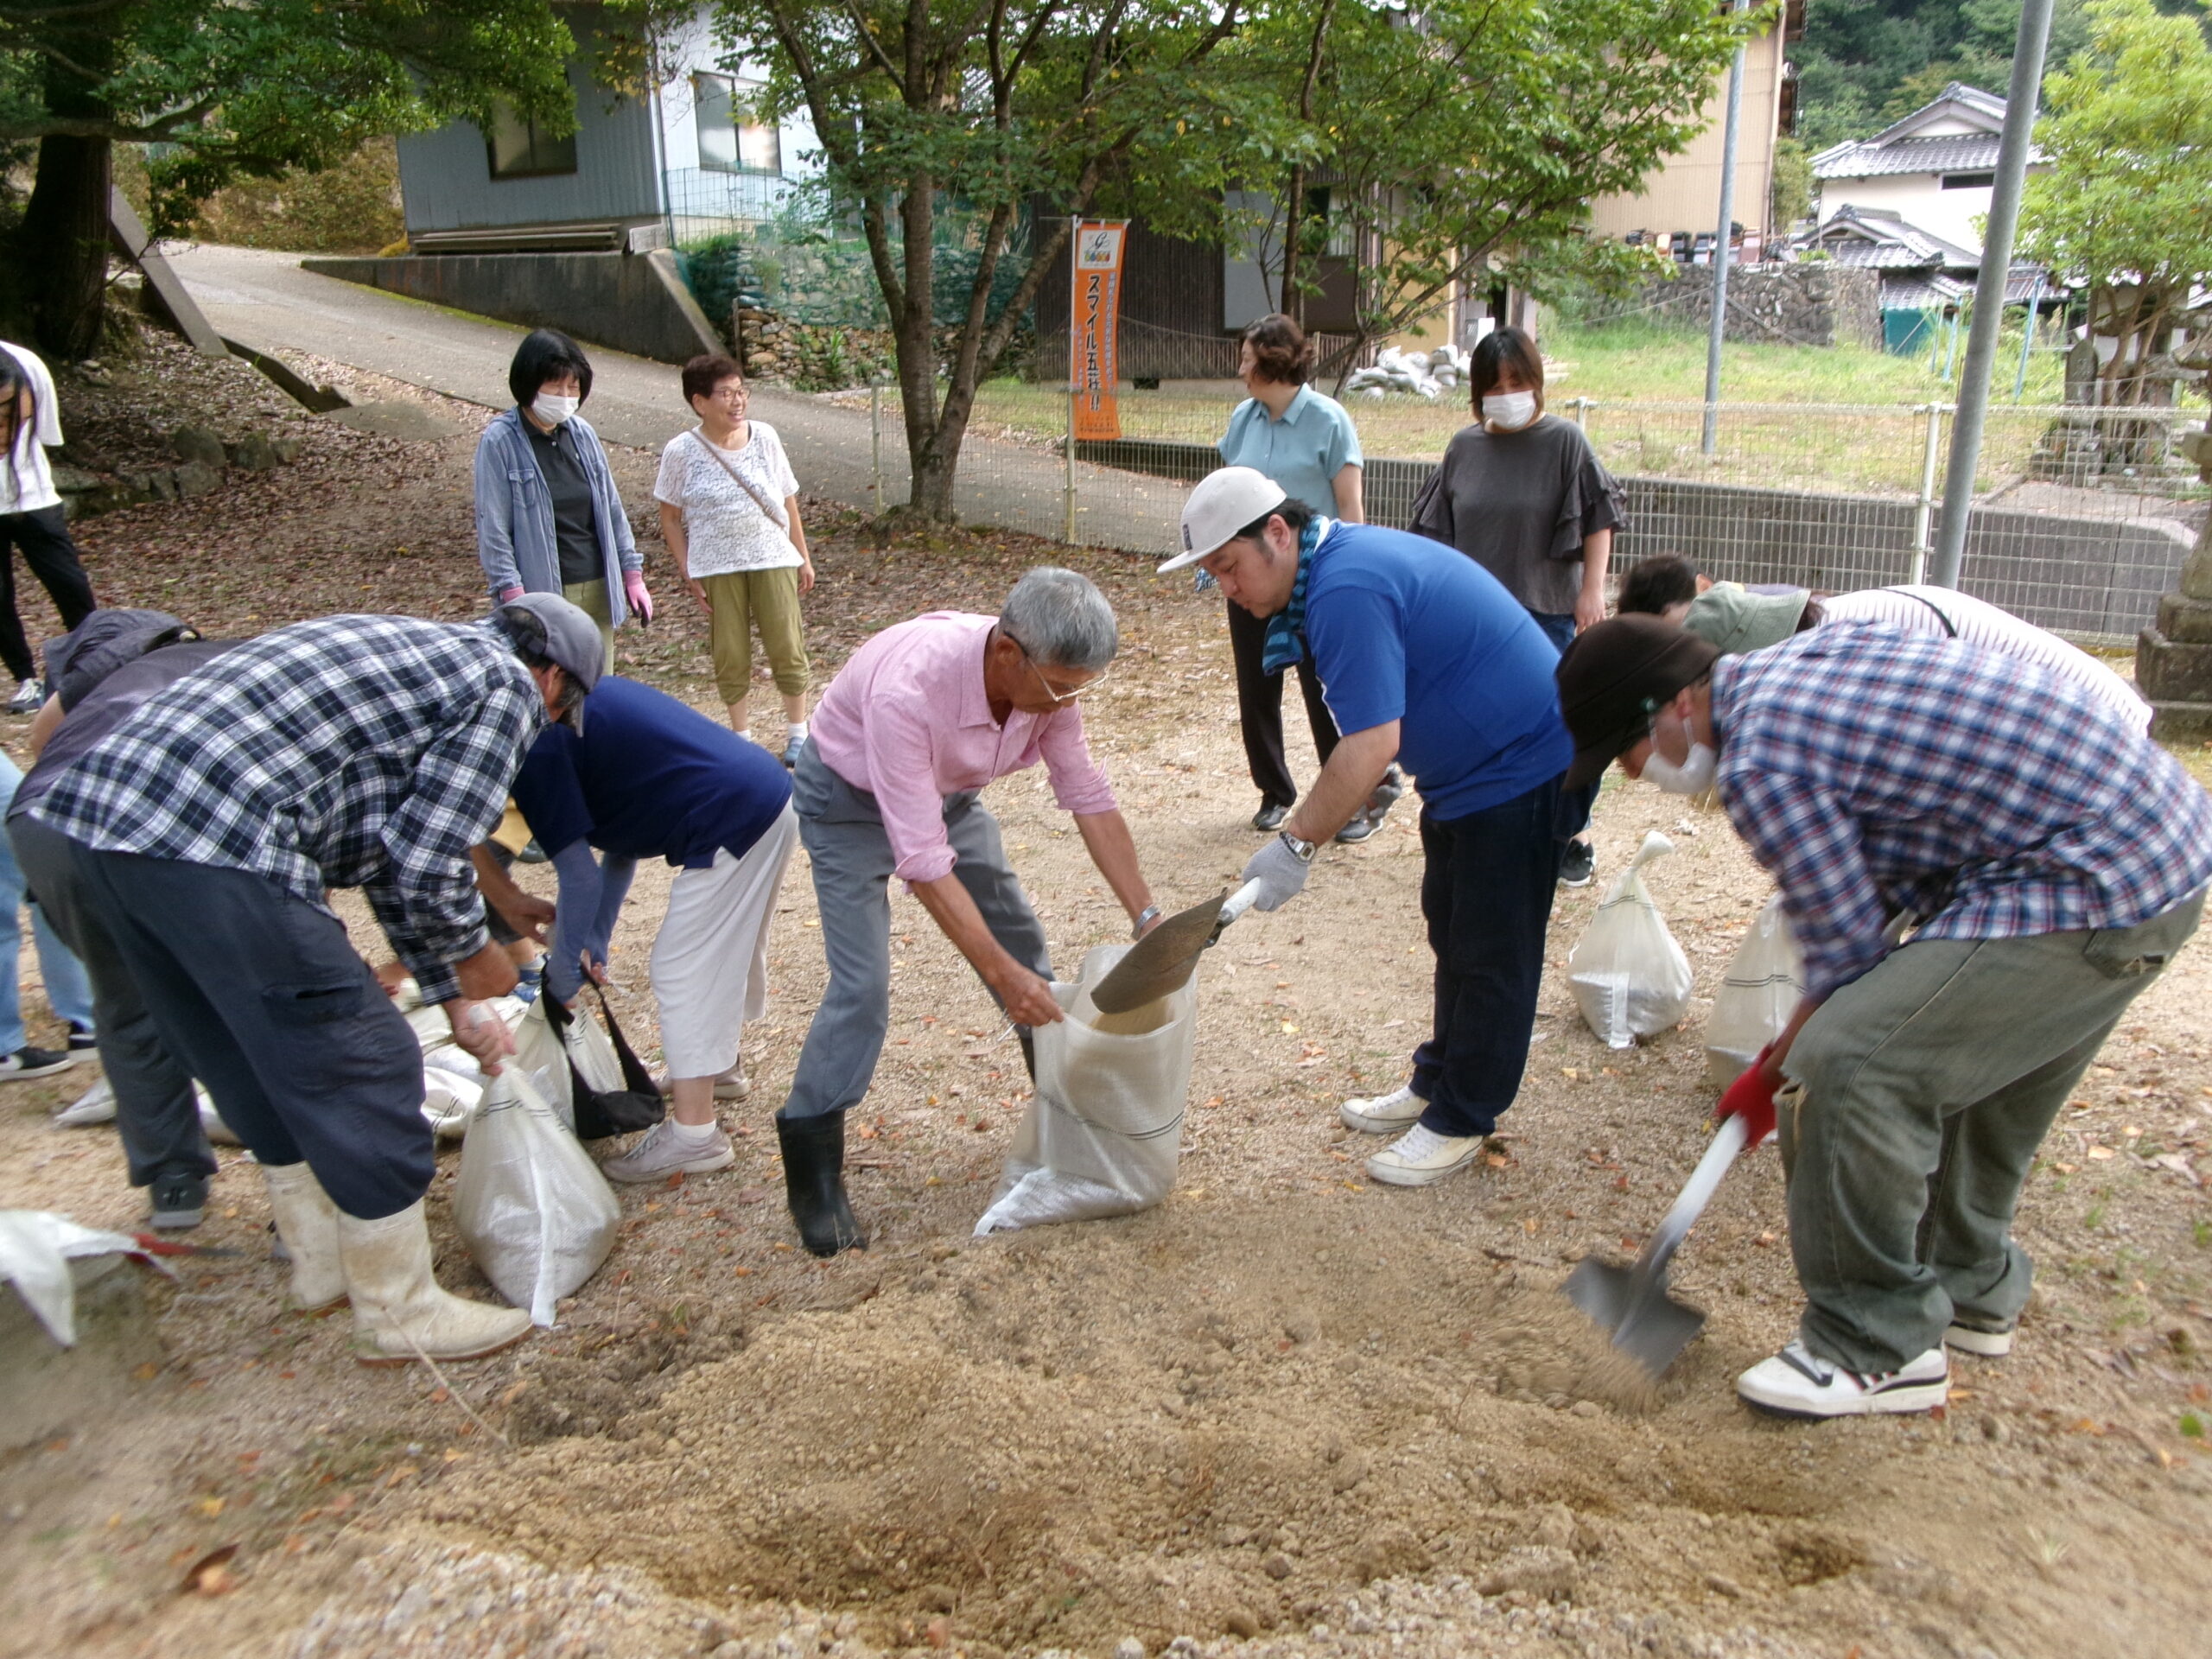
{"x": 1579, "y": 405}
{"x": 1923, "y": 515}
{"x": 1067, "y": 490}
{"x": 875, "y": 444}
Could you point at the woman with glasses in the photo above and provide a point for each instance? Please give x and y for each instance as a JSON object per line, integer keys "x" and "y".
{"x": 729, "y": 513}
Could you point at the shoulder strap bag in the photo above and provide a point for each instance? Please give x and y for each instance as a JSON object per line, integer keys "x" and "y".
{"x": 773, "y": 510}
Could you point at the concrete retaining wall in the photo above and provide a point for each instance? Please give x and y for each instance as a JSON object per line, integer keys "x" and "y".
{"x": 633, "y": 302}
{"x": 2074, "y": 575}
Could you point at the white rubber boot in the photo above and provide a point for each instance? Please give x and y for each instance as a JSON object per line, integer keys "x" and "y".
{"x": 398, "y": 1307}
{"x": 308, "y": 1222}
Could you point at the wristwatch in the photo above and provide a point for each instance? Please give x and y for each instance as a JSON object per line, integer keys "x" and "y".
{"x": 1304, "y": 849}
{"x": 1150, "y": 913}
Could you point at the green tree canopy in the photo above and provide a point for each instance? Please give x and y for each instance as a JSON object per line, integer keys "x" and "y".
{"x": 224, "y": 87}
{"x": 2126, "y": 206}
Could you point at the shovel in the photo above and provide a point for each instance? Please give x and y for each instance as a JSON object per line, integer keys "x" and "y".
{"x": 1648, "y": 1325}
{"x": 1163, "y": 960}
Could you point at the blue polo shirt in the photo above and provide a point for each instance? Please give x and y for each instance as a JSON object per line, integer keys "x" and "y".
{"x": 649, "y": 778}
{"x": 1303, "y": 452}
{"x": 1403, "y": 629}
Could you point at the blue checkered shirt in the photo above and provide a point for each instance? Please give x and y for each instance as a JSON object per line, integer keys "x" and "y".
{"x": 354, "y": 750}
{"x": 1874, "y": 773}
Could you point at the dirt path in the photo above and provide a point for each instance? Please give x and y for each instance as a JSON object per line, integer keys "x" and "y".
{"x": 1288, "y": 1413}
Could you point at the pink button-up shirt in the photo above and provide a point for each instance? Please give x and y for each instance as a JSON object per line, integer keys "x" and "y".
{"x": 907, "y": 720}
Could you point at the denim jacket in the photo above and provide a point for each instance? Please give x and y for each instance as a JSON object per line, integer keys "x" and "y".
{"x": 514, "y": 514}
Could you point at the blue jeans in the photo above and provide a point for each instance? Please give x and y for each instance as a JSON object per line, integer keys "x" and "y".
{"x": 68, "y": 993}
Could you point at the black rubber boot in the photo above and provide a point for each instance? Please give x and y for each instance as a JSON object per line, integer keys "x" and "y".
{"x": 814, "y": 1182}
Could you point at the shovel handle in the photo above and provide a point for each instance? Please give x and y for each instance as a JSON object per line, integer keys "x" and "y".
{"x": 1237, "y": 904}
{"x": 1727, "y": 1142}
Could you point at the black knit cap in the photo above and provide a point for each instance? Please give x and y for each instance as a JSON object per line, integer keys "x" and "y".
{"x": 1614, "y": 677}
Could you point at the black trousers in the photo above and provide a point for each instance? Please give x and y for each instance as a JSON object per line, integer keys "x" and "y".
{"x": 1259, "y": 709}
{"x": 44, "y": 538}
{"x": 1486, "y": 895}
{"x": 259, "y": 995}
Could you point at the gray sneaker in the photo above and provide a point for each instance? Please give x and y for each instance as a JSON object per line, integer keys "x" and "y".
{"x": 660, "y": 1154}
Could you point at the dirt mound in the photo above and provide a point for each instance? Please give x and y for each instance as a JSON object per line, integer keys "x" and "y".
{"x": 1207, "y": 1421}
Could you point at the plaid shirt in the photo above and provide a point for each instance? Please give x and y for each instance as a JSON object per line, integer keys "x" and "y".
{"x": 1874, "y": 773}
{"x": 353, "y": 751}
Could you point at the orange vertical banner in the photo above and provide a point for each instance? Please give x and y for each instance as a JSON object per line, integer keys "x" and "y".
{"x": 1094, "y": 312}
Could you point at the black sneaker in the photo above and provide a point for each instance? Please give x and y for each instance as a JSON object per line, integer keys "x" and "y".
{"x": 1579, "y": 867}
{"x": 532, "y": 853}
{"x": 1270, "y": 818}
{"x": 28, "y": 1062}
{"x": 81, "y": 1037}
{"x": 1363, "y": 825}
{"x": 178, "y": 1201}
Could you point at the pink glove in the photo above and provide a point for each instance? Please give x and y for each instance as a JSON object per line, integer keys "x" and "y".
{"x": 1752, "y": 1096}
{"x": 633, "y": 585}
{"x": 508, "y": 595}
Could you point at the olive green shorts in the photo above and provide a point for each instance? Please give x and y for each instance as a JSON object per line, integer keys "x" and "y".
{"x": 591, "y": 597}
{"x": 742, "y": 601}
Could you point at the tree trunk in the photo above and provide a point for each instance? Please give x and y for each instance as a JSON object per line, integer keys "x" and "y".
{"x": 1293, "y": 298}
{"x": 64, "y": 232}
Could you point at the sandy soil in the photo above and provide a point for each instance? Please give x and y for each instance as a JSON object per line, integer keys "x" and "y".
{"x": 1285, "y": 1412}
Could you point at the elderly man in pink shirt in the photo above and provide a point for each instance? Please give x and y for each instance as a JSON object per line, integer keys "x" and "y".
{"x": 921, "y": 718}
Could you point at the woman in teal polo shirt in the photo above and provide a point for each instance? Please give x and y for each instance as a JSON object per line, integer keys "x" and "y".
{"x": 1306, "y": 442}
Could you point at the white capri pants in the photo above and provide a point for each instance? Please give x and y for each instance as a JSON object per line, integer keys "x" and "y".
{"x": 710, "y": 958}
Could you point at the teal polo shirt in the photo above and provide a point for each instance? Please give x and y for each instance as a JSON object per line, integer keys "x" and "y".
{"x": 1303, "y": 452}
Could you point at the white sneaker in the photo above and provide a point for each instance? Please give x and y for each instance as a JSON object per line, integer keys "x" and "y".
{"x": 1989, "y": 1344}
{"x": 1797, "y": 1382}
{"x": 95, "y": 1105}
{"x": 1422, "y": 1156}
{"x": 661, "y": 1155}
{"x": 1391, "y": 1113}
{"x": 29, "y": 695}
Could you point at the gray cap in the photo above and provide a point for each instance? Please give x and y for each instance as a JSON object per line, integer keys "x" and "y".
{"x": 572, "y": 640}
{"x": 1735, "y": 619}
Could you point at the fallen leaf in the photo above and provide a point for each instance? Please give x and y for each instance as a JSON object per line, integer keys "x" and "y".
{"x": 211, "y": 1575}
{"x": 2098, "y": 1154}
{"x": 210, "y": 1507}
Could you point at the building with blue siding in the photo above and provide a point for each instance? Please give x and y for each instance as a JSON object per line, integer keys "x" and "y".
{"x": 685, "y": 161}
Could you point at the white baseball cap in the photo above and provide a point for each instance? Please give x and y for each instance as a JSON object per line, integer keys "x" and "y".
{"x": 1224, "y": 502}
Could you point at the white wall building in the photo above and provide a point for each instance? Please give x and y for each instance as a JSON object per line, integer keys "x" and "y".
{"x": 1936, "y": 170}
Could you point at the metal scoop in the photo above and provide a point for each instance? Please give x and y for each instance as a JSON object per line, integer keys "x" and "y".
{"x": 1648, "y": 1325}
{"x": 1164, "y": 959}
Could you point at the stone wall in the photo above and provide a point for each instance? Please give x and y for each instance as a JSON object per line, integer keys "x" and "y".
{"x": 1813, "y": 302}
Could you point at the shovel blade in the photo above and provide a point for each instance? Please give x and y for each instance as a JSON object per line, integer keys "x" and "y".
{"x": 1645, "y": 1323}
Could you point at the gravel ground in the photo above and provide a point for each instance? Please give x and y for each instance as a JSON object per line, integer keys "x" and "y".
{"x": 1285, "y": 1414}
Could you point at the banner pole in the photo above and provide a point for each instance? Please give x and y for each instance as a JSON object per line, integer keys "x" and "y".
{"x": 1067, "y": 491}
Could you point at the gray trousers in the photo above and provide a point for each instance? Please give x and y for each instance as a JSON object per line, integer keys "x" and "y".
{"x": 1923, "y": 1090}
{"x": 844, "y": 837}
{"x": 156, "y": 1116}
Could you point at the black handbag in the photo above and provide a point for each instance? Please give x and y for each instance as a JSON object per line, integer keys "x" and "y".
{"x": 636, "y": 1105}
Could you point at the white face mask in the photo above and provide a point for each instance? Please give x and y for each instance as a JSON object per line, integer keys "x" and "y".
{"x": 1694, "y": 777}
{"x": 1509, "y": 409}
{"x": 552, "y": 409}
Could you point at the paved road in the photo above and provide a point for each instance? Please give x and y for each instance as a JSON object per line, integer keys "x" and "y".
{"x": 265, "y": 300}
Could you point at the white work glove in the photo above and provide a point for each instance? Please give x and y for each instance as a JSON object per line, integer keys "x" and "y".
{"x": 1281, "y": 873}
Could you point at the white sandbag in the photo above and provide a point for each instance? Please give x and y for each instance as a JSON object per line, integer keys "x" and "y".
{"x": 536, "y": 1213}
{"x": 592, "y": 1053}
{"x": 1104, "y": 1132}
{"x": 449, "y": 1102}
{"x": 1765, "y": 982}
{"x": 540, "y": 1057}
{"x": 36, "y": 1246}
{"x": 1629, "y": 977}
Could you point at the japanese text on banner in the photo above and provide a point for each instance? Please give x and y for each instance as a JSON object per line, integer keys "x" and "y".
{"x": 1095, "y": 308}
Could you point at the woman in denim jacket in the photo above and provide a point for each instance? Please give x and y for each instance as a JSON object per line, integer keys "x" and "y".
{"x": 548, "y": 518}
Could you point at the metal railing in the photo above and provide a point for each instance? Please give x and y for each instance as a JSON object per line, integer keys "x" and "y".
{"x": 2082, "y": 516}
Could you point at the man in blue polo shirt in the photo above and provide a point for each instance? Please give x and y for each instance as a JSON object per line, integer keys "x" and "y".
{"x": 649, "y": 778}
{"x": 1426, "y": 661}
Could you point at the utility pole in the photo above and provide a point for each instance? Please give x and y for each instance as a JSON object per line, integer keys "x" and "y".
{"x": 1732, "y": 127}
{"x": 1989, "y": 289}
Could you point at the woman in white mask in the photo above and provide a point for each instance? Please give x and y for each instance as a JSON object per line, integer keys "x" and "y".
{"x": 548, "y": 519}
{"x": 1522, "y": 493}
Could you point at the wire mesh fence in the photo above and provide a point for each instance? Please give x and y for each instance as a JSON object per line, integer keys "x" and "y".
{"x": 2081, "y": 517}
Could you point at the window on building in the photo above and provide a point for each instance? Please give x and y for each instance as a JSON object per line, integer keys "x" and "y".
{"x": 1968, "y": 180}
{"x": 522, "y": 149}
{"x": 730, "y": 140}
{"x": 1323, "y": 207}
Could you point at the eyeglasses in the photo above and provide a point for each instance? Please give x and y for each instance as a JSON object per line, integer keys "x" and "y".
{"x": 730, "y": 394}
{"x": 1053, "y": 691}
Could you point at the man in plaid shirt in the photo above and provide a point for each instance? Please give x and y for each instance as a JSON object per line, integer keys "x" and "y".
{"x": 2047, "y": 859}
{"x": 193, "y": 848}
